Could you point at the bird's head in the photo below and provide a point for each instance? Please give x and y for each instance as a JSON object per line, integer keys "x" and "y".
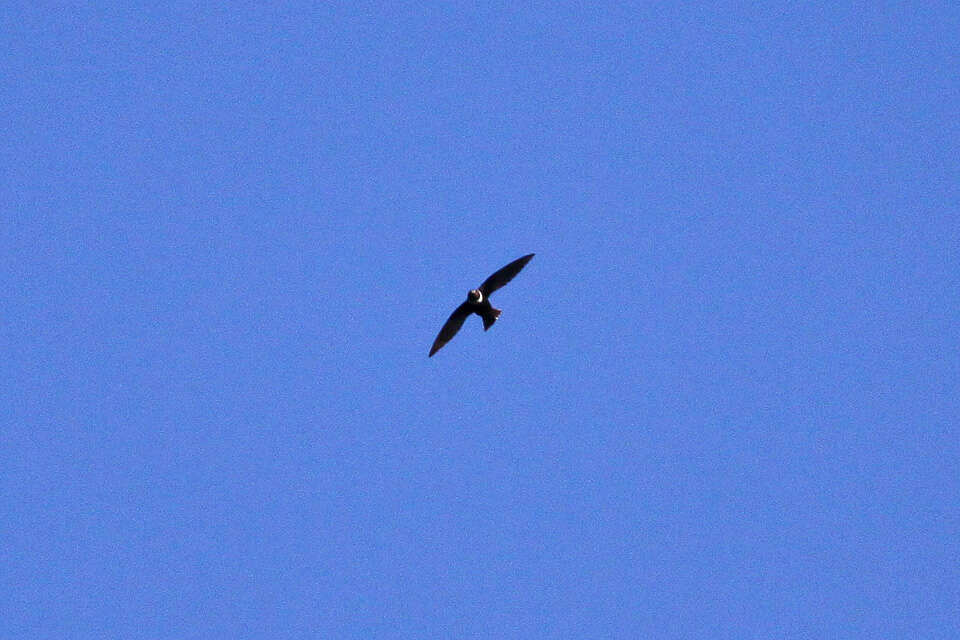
{"x": 475, "y": 296}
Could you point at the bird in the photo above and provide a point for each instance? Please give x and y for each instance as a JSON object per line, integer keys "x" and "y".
{"x": 478, "y": 302}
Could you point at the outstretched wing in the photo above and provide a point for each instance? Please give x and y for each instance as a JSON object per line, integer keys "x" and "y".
{"x": 450, "y": 327}
{"x": 504, "y": 275}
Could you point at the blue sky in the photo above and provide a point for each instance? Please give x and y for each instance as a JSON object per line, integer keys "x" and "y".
{"x": 721, "y": 402}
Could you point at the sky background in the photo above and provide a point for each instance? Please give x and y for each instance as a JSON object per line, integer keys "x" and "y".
{"x": 722, "y": 401}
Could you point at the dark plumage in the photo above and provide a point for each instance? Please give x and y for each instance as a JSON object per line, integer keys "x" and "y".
{"x": 478, "y": 302}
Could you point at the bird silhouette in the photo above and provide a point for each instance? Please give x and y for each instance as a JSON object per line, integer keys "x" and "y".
{"x": 478, "y": 302}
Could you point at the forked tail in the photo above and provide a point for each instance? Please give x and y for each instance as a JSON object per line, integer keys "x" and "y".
{"x": 490, "y": 317}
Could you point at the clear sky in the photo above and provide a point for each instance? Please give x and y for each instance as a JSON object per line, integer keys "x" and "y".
{"x": 721, "y": 402}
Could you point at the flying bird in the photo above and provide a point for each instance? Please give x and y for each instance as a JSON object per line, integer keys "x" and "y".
{"x": 478, "y": 302}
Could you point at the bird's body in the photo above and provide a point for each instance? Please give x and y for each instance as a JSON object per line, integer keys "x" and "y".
{"x": 478, "y": 302}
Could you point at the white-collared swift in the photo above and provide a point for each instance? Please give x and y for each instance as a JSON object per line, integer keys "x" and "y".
{"x": 478, "y": 302}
